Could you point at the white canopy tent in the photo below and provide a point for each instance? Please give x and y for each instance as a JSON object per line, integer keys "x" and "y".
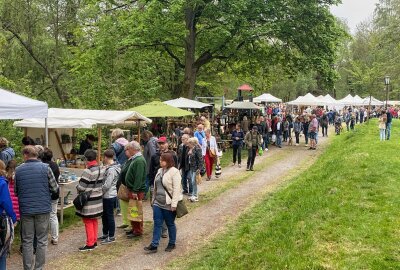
{"x": 267, "y": 98}
{"x": 374, "y": 101}
{"x": 243, "y": 105}
{"x": 347, "y": 101}
{"x": 186, "y": 103}
{"x": 13, "y": 106}
{"x": 76, "y": 118}
{"x": 308, "y": 99}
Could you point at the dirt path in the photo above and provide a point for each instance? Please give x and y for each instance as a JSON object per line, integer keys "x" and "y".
{"x": 194, "y": 229}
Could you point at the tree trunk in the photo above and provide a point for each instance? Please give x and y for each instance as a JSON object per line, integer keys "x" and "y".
{"x": 189, "y": 80}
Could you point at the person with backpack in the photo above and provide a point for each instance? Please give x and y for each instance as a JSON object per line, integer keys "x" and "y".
{"x": 6, "y": 152}
{"x": 253, "y": 141}
{"x": 111, "y": 175}
{"x": 118, "y": 145}
{"x": 8, "y": 217}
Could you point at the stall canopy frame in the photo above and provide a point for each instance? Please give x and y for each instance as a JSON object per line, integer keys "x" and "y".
{"x": 187, "y": 103}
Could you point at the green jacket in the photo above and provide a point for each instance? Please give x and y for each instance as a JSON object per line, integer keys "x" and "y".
{"x": 136, "y": 175}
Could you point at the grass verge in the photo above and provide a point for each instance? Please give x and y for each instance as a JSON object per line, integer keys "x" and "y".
{"x": 342, "y": 213}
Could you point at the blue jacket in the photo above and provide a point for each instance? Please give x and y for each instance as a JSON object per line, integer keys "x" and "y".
{"x": 239, "y": 134}
{"x": 7, "y": 154}
{"x": 5, "y": 200}
{"x": 200, "y": 136}
{"x": 33, "y": 187}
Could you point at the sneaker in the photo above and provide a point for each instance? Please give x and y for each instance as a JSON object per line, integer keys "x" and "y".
{"x": 306, "y": 145}
{"x": 164, "y": 235}
{"x": 150, "y": 249}
{"x": 103, "y": 237}
{"x": 128, "y": 229}
{"x": 86, "y": 248}
{"x": 251, "y": 169}
{"x": 133, "y": 235}
{"x": 247, "y": 169}
{"x": 195, "y": 199}
{"x": 233, "y": 164}
{"x": 170, "y": 247}
{"x": 129, "y": 232}
{"x": 240, "y": 165}
{"x": 109, "y": 240}
{"x": 123, "y": 226}
{"x": 54, "y": 242}
{"x": 297, "y": 144}
{"x": 119, "y": 213}
{"x": 266, "y": 149}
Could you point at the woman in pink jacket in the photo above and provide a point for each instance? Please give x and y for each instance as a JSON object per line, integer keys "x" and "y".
{"x": 12, "y": 164}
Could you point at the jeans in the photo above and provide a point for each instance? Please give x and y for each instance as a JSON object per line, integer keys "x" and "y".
{"x": 30, "y": 225}
{"x": 306, "y": 137}
{"x": 108, "y": 216}
{"x": 237, "y": 151}
{"x": 297, "y": 135}
{"x": 388, "y": 129}
{"x": 147, "y": 184}
{"x": 266, "y": 141}
{"x": 285, "y": 135}
{"x": 382, "y": 134}
{"x": 251, "y": 157}
{"x": 278, "y": 140}
{"x": 191, "y": 176}
{"x": 186, "y": 185}
{"x": 324, "y": 130}
{"x": 159, "y": 216}
{"x": 3, "y": 262}
{"x": 54, "y": 220}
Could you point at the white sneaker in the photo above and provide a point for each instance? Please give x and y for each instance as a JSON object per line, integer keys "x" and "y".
{"x": 233, "y": 164}
{"x": 297, "y": 144}
{"x": 240, "y": 165}
{"x": 306, "y": 145}
{"x": 266, "y": 150}
{"x": 195, "y": 199}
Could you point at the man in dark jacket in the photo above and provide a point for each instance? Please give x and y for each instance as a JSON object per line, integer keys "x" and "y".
{"x": 86, "y": 144}
{"x": 237, "y": 143}
{"x": 388, "y": 124}
{"x": 34, "y": 183}
{"x": 183, "y": 163}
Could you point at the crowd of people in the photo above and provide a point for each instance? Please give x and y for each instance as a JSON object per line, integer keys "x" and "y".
{"x": 132, "y": 172}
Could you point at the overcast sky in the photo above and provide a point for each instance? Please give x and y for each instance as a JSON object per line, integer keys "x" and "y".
{"x": 354, "y": 11}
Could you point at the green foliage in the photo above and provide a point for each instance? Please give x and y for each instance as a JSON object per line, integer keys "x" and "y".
{"x": 339, "y": 214}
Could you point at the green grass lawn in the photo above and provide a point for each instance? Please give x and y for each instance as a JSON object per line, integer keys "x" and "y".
{"x": 342, "y": 213}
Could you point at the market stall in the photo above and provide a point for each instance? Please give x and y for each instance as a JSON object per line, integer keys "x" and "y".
{"x": 267, "y": 98}
{"x": 186, "y": 103}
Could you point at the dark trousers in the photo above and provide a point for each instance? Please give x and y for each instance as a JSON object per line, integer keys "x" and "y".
{"x": 186, "y": 185}
{"x": 285, "y": 135}
{"x": 297, "y": 135}
{"x": 237, "y": 152}
{"x": 251, "y": 157}
{"x": 325, "y": 130}
{"x": 306, "y": 137}
{"x": 108, "y": 216}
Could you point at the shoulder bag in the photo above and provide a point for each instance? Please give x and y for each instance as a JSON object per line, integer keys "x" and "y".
{"x": 81, "y": 200}
{"x": 181, "y": 209}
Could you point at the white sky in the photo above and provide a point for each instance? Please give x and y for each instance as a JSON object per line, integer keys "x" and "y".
{"x": 354, "y": 11}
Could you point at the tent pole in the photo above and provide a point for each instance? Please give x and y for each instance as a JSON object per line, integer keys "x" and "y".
{"x": 98, "y": 144}
{"x": 47, "y": 132}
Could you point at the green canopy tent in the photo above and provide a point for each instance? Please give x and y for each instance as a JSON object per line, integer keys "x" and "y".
{"x": 158, "y": 109}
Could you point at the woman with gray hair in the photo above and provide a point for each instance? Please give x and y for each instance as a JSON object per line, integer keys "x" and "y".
{"x": 118, "y": 145}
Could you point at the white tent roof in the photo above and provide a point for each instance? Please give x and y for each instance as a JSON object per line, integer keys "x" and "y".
{"x": 308, "y": 99}
{"x": 55, "y": 123}
{"x": 348, "y": 100}
{"x": 374, "y": 101}
{"x": 243, "y": 105}
{"x": 330, "y": 99}
{"x": 13, "y": 106}
{"x": 358, "y": 100}
{"x": 266, "y": 98}
{"x": 75, "y": 118}
{"x": 186, "y": 103}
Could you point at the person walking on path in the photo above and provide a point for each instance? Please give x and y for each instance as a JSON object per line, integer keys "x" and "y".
{"x": 312, "y": 131}
{"x": 35, "y": 207}
{"x": 135, "y": 182}
{"x": 237, "y": 138}
{"x": 6, "y": 152}
{"x": 167, "y": 194}
{"x": 324, "y": 124}
{"x": 382, "y": 126}
{"x": 278, "y": 131}
{"x": 306, "y": 123}
{"x": 183, "y": 163}
{"x": 210, "y": 152}
{"x": 196, "y": 164}
{"x": 297, "y": 128}
{"x": 91, "y": 181}
{"x": 389, "y": 118}
{"x": 111, "y": 175}
{"x": 149, "y": 149}
{"x": 6, "y": 208}
{"x": 253, "y": 140}
{"x": 47, "y": 157}
{"x": 199, "y": 134}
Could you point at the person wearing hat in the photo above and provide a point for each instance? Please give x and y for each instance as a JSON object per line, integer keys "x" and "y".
{"x": 91, "y": 180}
{"x": 253, "y": 140}
{"x": 163, "y": 147}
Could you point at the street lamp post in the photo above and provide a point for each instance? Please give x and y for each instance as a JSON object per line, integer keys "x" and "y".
{"x": 387, "y": 82}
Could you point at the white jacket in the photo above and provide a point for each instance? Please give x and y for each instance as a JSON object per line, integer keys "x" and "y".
{"x": 172, "y": 181}
{"x": 213, "y": 145}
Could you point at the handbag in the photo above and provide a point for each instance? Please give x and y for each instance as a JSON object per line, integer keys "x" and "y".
{"x": 199, "y": 179}
{"x": 123, "y": 193}
{"x": 6, "y": 234}
{"x": 212, "y": 152}
{"x": 273, "y": 138}
{"x": 260, "y": 151}
{"x": 135, "y": 210}
{"x": 83, "y": 197}
{"x": 181, "y": 209}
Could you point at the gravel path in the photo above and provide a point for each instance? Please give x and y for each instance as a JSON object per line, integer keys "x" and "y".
{"x": 194, "y": 229}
